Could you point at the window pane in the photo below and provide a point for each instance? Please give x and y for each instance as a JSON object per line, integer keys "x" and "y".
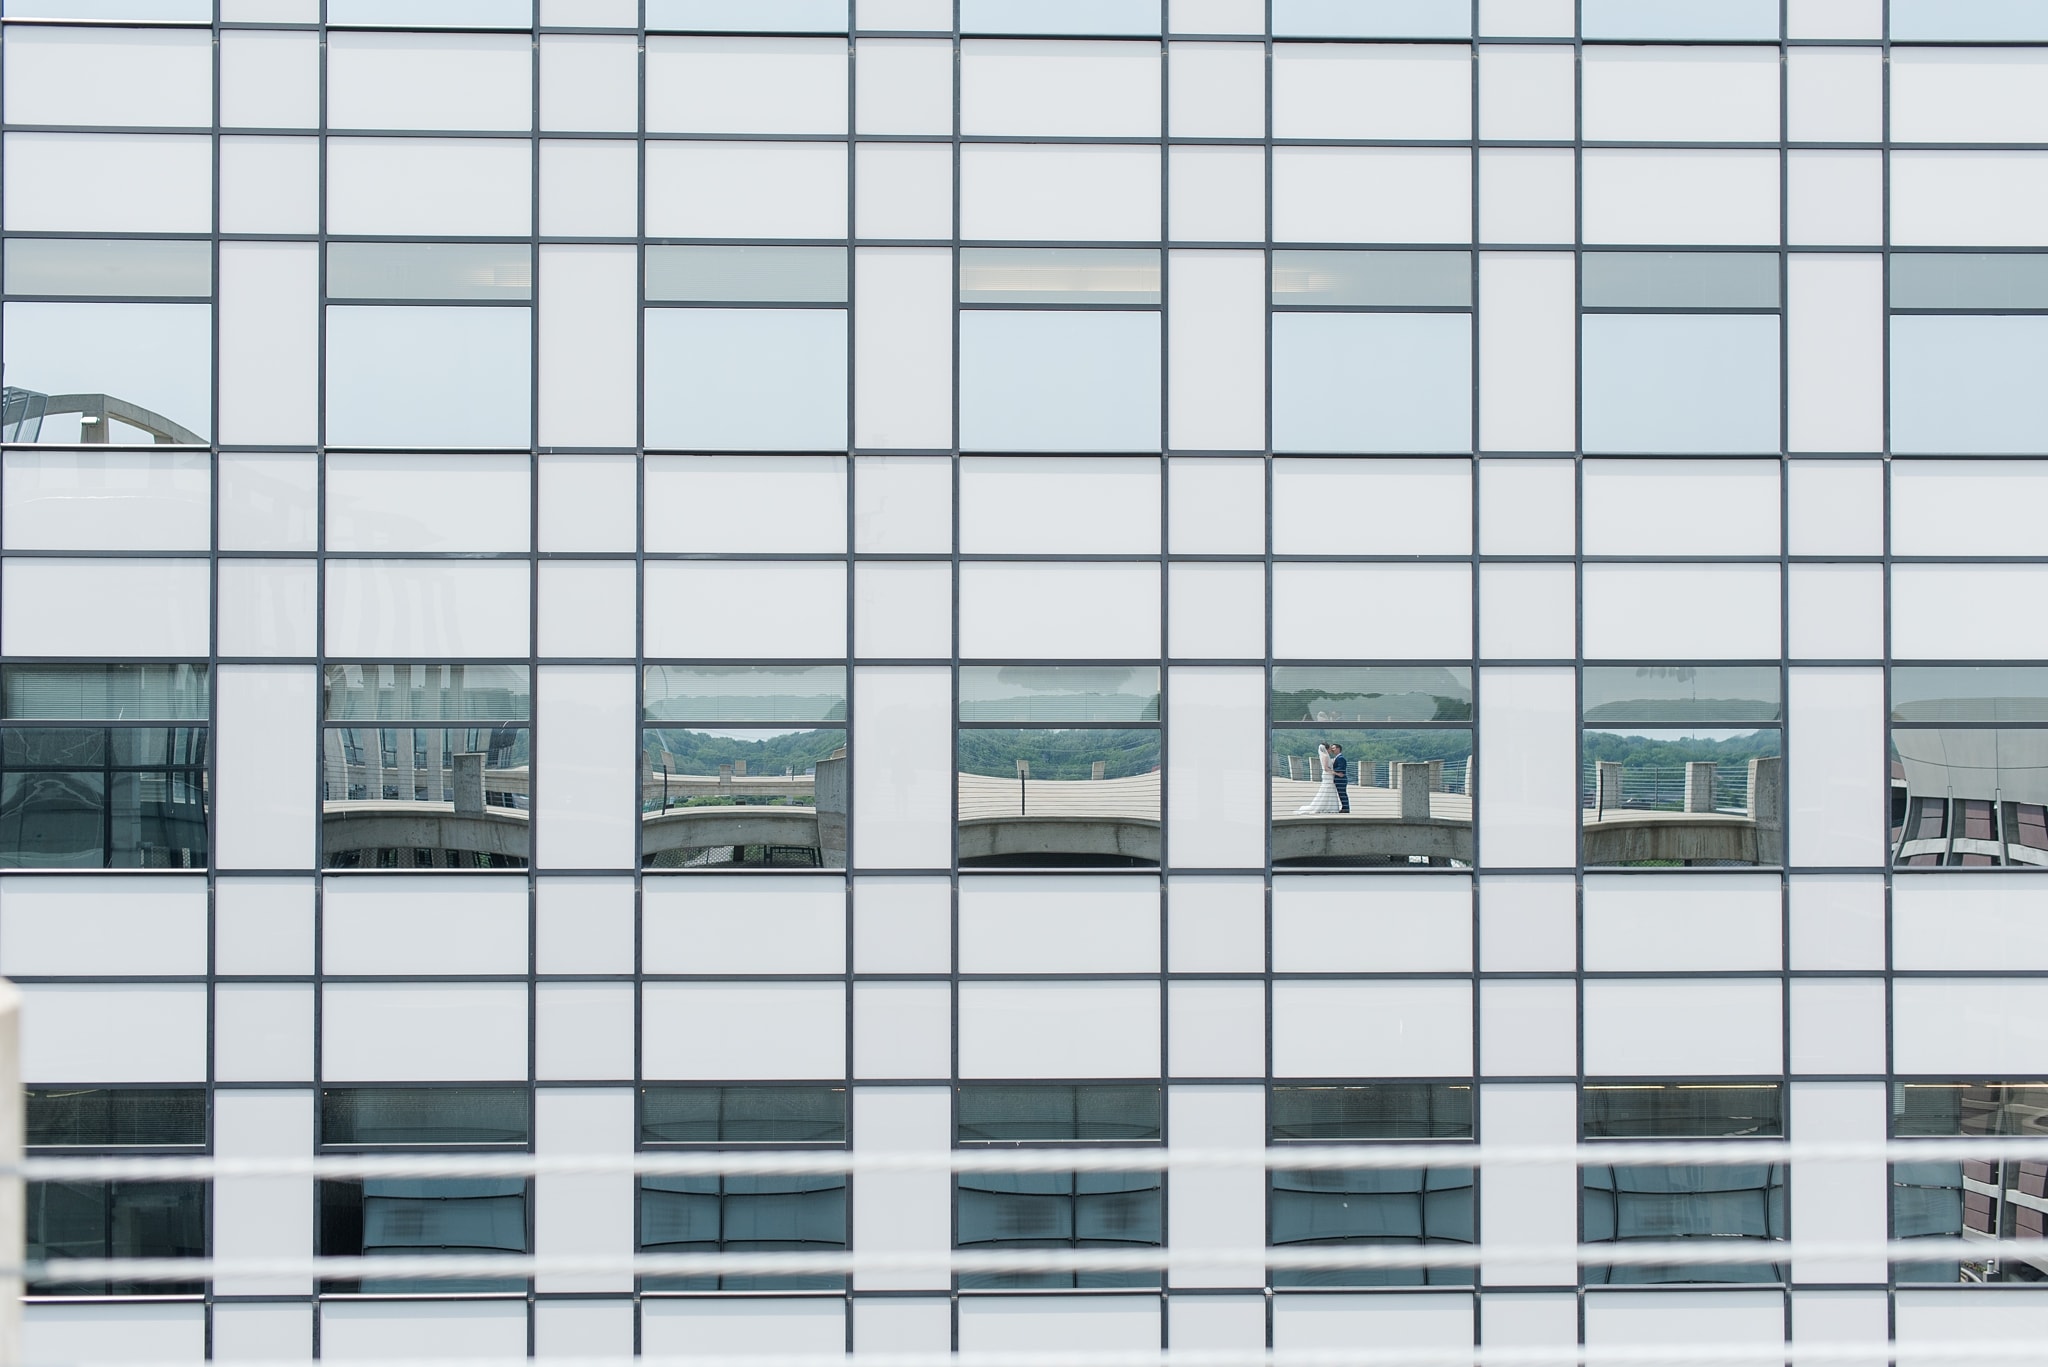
{"x": 104, "y": 373}
{"x": 1371, "y": 798}
{"x": 50, "y": 265}
{"x": 1970, "y": 693}
{"x": 743, "y": 1215}
{"x": 1026, "y": 275}
{"x": 413, "y": 692}
{"x": 1665, "y": 797}
{"x": 999, "y": 1114}
{"x": 426, "y": 797}
{"x": 116, "y": 1220}
{"x": 1678, "y": 693}
{"x": 1402, "y": 279}
{"x": 1969, "y": 796}
{"x": 1377, "y": 1110}
{"x": 1102, "y": 366}
{"x": 1399, "y": 1206}
{"x": 1063, "y": 18}
{"x": 1059, "y": 798}
{"x": 124, "y": 692}
{"x": 1679, "y": 19}
{"x": 429, "y": 270}
{"x": 1372, "y": 382}
{"x": 107, "y": 1117}
{"x": 2018, "y": 21}
{"x": 1682, "y": 1110}
{"x": 1965, "y": 385}
{"x": 436, "y": 1216}
{"x": 1964, "y": 280}
{"x": 423, "y": 1115}
{"x": 745, "y": 693}
{"x": 1626, "y": 1203}
{"x": 757, "y": 16}
{"x": 1343, "y": 695}
{"x": 1058, "y": 693}
{"x": 744, "y": 797}
{"x": 1929, "y": 1202}
{"x": 1680, "y": 280}
{"x": 1059, "y": 1210}
{"x": 433, "y": 13}
{"x": 747, "y": 379}
{"x": 1371, "y": 19}
{"x": 424, "y": 376}
{"x": 86, "y": 797}
{"x": 747, "y": 275}
{"x": 743, "y": 1115}
{"x": 1681, "y": 383}
{"x": 1955, "y": 1109}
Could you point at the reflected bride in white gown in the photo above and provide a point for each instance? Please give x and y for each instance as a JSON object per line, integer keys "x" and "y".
{"x": 1324, "y": 803}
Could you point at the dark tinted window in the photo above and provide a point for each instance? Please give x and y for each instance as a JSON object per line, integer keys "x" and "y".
{"x": 116, "y": 1220}
{"x": 1378, "y": 1110}
{"x": 1060, "y": 1210}
{"x": 743, "y": 1115}
{"x": 106, "y": 1117}
{"x": 743, "y": 1215}
{"x": 1970, "y": 1108}
{"x": 1053, "y": 1114}
{"x": 1682, "y": 1111}
{"x": 424, "y": 1115}
{"x": 1403, "y": 1206}
{"x": 455, "y": 1216}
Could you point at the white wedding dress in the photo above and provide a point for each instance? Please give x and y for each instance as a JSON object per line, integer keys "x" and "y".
{"x": 1324, "y": 803}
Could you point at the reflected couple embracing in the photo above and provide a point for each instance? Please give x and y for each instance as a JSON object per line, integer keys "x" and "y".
{"x": 1334, "y": 793}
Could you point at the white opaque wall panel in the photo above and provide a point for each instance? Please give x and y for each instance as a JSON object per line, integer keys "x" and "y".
{"x": 1372, "y": 1029}
{"x": 1216, "y": 194}
{"x": 1835, "y": 353}
{"x": 1216, "y": 506}
{"x": 903, "y": 341}
{"x": 423, "y": 926}
{"x": 1216, "y": 90}
{"x": 1834, "y": 198}
{"x": 2005, "y": 927}
{"x": 428, "y": 609}
{"x": 1372, "y": 194}
{"x": 1216, "y": 925}
{"x": 104, "y": 607}
{"x": 743, "y": 1030}
{"x": 1699, "y": 197}
{"x": 1677, "y": 612}
{"x": 1836, "y": 787}
{"x": 1528, "y": 799}
{"x": 113, "y": 183}
{"x": 1059, "y": 192}
{"x": 1216, "y": 611}
{"x": 1313, "y": 501}
{"x": 1528, "y": 612}
{"x": 589, "y": 82}
{"x": 903, "y": 784}
{"x": 736, "y": 610}
{"x": 1059, "y": 1029}
{"x": 120, "y": 77}
{"x": 589, "y": 502}
{"x": 672, "y": 1328}
{"x": 263, "y": 1032}
{"x": 371, "y": 1331}
{"x": 584, "y": 925}
{"x": 1024, "y": 924}
{"x": 1215, "y": 767}
{"x": 1032, "y": 505}
{"x": 112, "y": 500}
{"x": 574, "y": 1328}
{"x": 904, "y": 1211}
{"x": 588, "y": 189}
{"x": 1362, "y": 925}
{"x": 1680, "y": 94}
{"x": 269, "y": 185}
{"x": 264, "y": 766}
{"x": 1056, "y": 611}
{"x": 409, "y": 503}
{"x": 1527, "y": 366}
{"x": 423, "y": 1032}
{"x": 269, "y": 342}
{"x": 1730, "y": 507}
{"x": 1528, "y": 1027}
{"x": 1968, "y": 507}
{"x": 264, "y": 1331}
{"x": 1540, "y": 1207}
{"x": 430, "y": 80}
{"x": 589, "y": 307}
{"x": 114, "y": 1333}
{"x": 1391, "y": 611}
{"x": 1674, "y": 1027}
{"x": 1835, "y": 507}
{"x": 1835, "y": 95}
{"x": 1927, "y": 626}
{"x": 902, "y": 1030}
{"x": 1836, "y": 612}
{"x": 585, "y": 756}
{"x": 1961, "y": 1316}
{"x": 1961, "y": 1027}
{"x": 1212, "y": 1208}
{"x": 102, "y": 927}
{"x": 269, "y": 78}
{"x": 1371, "y": 90}
{"x": 743, "y": 925}
{"x": 904, "y": 85}
{"x": 1399, "y": 1321}
{"x": 586, "y": 1215}
{"x": 100, "y": 1032}
{"x": 1969, "y": 199}
{"x": 584, "y": 1030}
{"x": 265, "y": 1217}
{"x": 1216, "y": 16}
{"x": 746, "y": 85}
{"x": 1216, "y": 338}
{"x": 1527, "y": 93}
{"x": 1838, "y": 921}
{"x": 903, "y": 925}
{"x": 807, "y": 495}
{"x": 1528, "y": 507}
{"x": 1646, "y": 925}
{"x": 1068, "y": 1324}
{"x": 1218, "y": 1029}
{"x": 1107, "y": 90}
{"x": 1528, "y": 195}
{"x": 432, "y": 187}
{"x": 1946, "y": 94}
{"x": 902, "y": 189}
{"x": 902, "y": 609}
{"x": 1682, "y": 1319}
{"x": 746, "y": 189}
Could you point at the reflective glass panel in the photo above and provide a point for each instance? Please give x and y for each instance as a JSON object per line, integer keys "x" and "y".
{"x": 1055, "y": 693}
{"x": 429, "y": 270}
{"x": 426, "y": 797}
{"x": 1680, "y": 280}
{"x": 1933, "y": 1201}
{"x": 1371, "y": 19}
{"x": 422, "y": 692}
{"x": 2017, "y": 21}
{"x": 130, "y": 374}
{"x": 1970, "y": 693}
{"x": 1081, "y": 797}
{"x": 1059, "y": 17}
{"x": 1398, "y": 1206}
{"x": 743, "y": 1115}
{"x": 746, "y": 693}
{"x": 115, "y": 1117}
{"x": 1970, "y": 280}
{"x": 1965, "y": 796}
{"x": 1328, "y": 694}
{"x": 744, "y": 797}
{"x": 116, "y": 1220}
{"x": 104, "y": 692}
{"x": 432, "y": 13}
{"x": 433, "y": 1216}
{"x": 1053, "y": 275}
{"x": 423, "y": 1115}
{"x": 1678, "y": 693}
{"x": 1402, "y": 279}
{"x": 1373, "y": 1110}
{"x": 747, "y": 275}
{"x": 743, "y": 1215}
{"x": 756, "y": 16}
{"x": 162, "y": 11}
{"x": 79, "y": 265}
{"x": 1955, "y": 1109}
{"x": 998, "y": 1114}
{"x": 1345, "y": 798}
{"x": 1701, "y": 796}
{"x": 1683, "y": 1110}
{"x": 1627, "y": 1202}
{"x": 1059, "y": 1210}
{"x": 1693, "y": 19}
{"x": 89, "y": 797}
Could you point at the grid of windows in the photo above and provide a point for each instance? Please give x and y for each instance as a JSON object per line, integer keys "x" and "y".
{"x": 594, "y": 574}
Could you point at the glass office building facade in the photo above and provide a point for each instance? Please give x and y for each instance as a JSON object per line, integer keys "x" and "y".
{"x": 587, "y": 576}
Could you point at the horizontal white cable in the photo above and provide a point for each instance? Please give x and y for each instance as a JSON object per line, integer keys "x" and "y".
{"x": 1598, "y": 1355}
{"x": 813, "y": 1162}
{"x": 1715, "y": 1251}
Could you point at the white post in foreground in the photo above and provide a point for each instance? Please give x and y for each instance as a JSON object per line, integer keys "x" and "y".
{"x": 13, "y": 1211}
